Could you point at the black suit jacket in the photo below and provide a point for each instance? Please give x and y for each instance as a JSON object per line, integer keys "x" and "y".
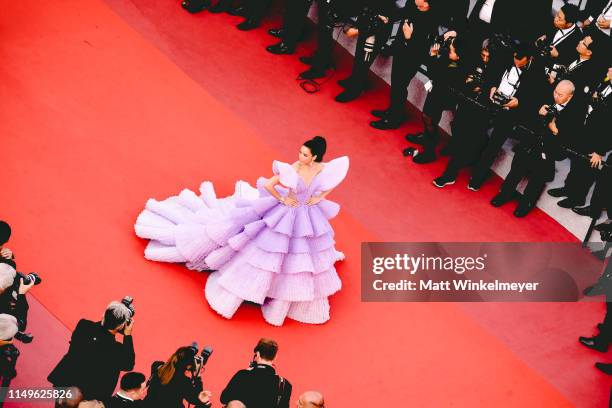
{"x": 94, "y": 361}
{"x": 257, "y": 388}
{"x": 593, "y": 9}
{"x": 118, "y": 401}
{"x": 584, "y": 76}
{"x": 454, "y": 15}
{"x": 597, "y": 127}
{"x": 501, "y": 18}
{"x": 566, "y": 48}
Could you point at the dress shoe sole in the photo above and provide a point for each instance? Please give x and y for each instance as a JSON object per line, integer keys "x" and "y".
{"x": 448, "y": 183}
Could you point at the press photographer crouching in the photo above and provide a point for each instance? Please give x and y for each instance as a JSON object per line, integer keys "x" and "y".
{"x": 95, "y": 358}
{"x": 133, "y": 390}
{"x": 13, "y": 289}
{"x": 259, "y": 386}
{"x": 179, "y": 379}
{"x": 536, "y": 152}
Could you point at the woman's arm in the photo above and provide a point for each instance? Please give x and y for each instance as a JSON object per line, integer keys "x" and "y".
{"x": 269, "y": 186}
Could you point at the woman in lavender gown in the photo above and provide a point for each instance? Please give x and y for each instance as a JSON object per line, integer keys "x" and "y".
{"x": 272, "y": 245}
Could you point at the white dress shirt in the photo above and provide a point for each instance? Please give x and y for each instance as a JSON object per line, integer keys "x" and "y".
{"x": 510, "y": 81}
{"x": 561, "y": 35}
{"x": 487, "y": 11}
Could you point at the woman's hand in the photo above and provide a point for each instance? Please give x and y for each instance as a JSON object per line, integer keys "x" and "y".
{"x": 290, "y": 202}
{"x": 314, "y": 200}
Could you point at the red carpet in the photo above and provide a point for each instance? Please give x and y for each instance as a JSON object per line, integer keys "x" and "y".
{"x": 109, "y": 103}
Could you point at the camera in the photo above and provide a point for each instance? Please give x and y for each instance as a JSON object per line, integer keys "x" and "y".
{"x": 502, "y": 42}
{"x": 500, "y": 99}
{"x": 477, "y": 79}
{"x": 201, "y": 359}
{"x": 606, "y": 233}
{"x": 444, "y": 44}
{"x": 551, "y": 113}
{"x": 128, "y": 301}
{"x": 560, "y": 71}
{"x": 543, "y": 48}
{"x": 29, "y": 278}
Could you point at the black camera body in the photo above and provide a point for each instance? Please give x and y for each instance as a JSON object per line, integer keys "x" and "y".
{"x": 477, "y": 79}
{"x": 551, "y": 113}
{"x": 29, "y": 278}
{"x": 128, "y": 301}
{"x": 543, "y": 48}
{"x": 444, "y": 44}
{"x": 500, "y": 99}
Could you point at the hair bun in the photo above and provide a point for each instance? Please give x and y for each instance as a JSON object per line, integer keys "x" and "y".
{"x": 318, "y": 146}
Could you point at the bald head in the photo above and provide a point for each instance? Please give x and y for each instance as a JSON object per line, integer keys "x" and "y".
{"x": 235, "y": 404}
{"x": 311, "y": 399}
{"x": 564, "y": 91}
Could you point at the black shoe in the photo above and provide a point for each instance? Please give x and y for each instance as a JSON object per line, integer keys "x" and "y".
{"x": 428, "y": 156}
{"x": 418, "y": 138}
{"x": 557, "y": 192}
{"x": 593, "y": 344}
{"x": 386, "y": 123}
{"x": 603, "y": 227}
{"x": 276, "y": 32}
{"x": 604, "y": 368}
{"x": 348, "y": 95}
{"x": 280, "y": 49}
{"x": 346, "y": 82}
{"x": 502, "y": 198}
{"x": 443, "y": 181}
{"x": 594, "y": 290}
{"x": 379, "y": 113}
{"x": 236, "y": 11}
{"x": 523, "y": 209}
{"x": 248, "y": 24}
{"x": 220, "y": 7}
{"x": 473, "y": 186}
{"x": 312, "y": 73}
{"x": 586, "y": 211}
{"x": 567, "y": 203}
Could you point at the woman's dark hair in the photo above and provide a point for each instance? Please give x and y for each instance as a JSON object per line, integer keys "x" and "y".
{"x": 317, "y": 146}
{"x": 178, "y": 362}
{"x": 5, "y": 232}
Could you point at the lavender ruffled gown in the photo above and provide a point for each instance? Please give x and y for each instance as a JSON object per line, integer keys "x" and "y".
{"x": 261, "y": 251}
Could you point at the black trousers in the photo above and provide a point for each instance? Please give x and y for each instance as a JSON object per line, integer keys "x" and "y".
{"x": 325, "y": 38}
{"x": 256, "y": 9}
{"x": 406, "y": 62}
{"x": 502, "y": 129}
{"x": 579, "y": 179}
{"x": 440, "y": 99}
{"x": 294, "y": 19}
{"x": 602, "y": 194}
{"x": 363, "y": 60}
{"x": 469, "y": 138}
{"x": 533, "y": 167}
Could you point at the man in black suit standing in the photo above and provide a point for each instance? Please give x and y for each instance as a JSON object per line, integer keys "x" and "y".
{"x": 95, "y": 359}
{"x": 593, "y": 142}
{"x": 583, "y": 70}
{"x": 411, "y": 49}
{"x": 522, "y": 85}
{"x": 535, "y": 155}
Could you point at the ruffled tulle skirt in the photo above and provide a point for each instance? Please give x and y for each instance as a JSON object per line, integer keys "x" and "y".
{"x": 260, "y": 250}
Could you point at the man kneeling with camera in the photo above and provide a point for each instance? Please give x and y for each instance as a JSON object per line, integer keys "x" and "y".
{"x": 13, "y": 288}
{"x": 95, "y": 358}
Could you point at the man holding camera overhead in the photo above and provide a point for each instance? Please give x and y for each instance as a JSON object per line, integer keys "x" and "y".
{"x": 95, "y": 358}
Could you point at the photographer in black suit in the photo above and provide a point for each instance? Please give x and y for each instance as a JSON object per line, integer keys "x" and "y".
{"x": 536, "y": 154}
{"x": 446, "y": 73}
{"x": 373, "y": 29}
{"x": 293, "y": 28}
{"x": 259, "y": 386}
{"x": 593, "y": 143}
{"x": 597, "y": 18}
{"x": 133, "y": 390}
{"x": 13, "y": 289}
{"x": 558, "y": 46}
{"x": 95, "y": 358}
{"x": 516, "y": 95}
{"x": 583, "y": 70}
{"x": 411, "y": 48}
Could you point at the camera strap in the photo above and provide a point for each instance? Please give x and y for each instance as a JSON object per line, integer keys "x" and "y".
{"x": 564, "y": 35}
{"x": 282, "y": 383}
